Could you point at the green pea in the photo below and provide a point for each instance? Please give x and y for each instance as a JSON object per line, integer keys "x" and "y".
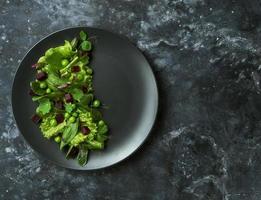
{"x": 43, "y": 85}
{"x": 89, "y": 71}
{"x": 96, "y": 103}
{"x": 101, "y": 123}
{"x": 66, "y": 115}
{"x": 57, "y": 139}
{"x": 73, "y": 106}
{"x": 65, "y": 62}
{"x": 72, "y": 119}
{"x": 48, "y": 90}
{"x": 75, "y": 114}
{"x": 79, "y": 77}
{"x": 53, "y": 122}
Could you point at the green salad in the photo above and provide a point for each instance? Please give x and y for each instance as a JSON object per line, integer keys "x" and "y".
{"x": 68, "y": 111}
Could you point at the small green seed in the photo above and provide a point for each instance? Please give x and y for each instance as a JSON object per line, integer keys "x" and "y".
{"x": 57, "y": 139}
{"x": 72, "y": 119}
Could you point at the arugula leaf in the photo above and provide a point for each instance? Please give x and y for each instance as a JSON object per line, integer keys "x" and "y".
{"x": 35, "y": 86}
{"x": 44, "y": 106}
{"x": 77, "y": 94}
{"x": 82, "y": 156}
{"x": 83, "y": 35}
{"x": 69, "y": 107}
{"x": 86, "y": 46}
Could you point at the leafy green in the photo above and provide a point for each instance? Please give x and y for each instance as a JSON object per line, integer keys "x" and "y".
{"x": 44, "y": 106}
{"x": 82, "y": 156}
{"x": 63, "y": 78}
{"x": 95, "y": 145}
{"x": 65, "y": 50}
{"x": 77, "y": 94}
{"x": 35, "y": 86}
{"x": 54, "y": 60}
{"x": 63, "y": 70}
{"x": 86, "y": 99}
{"x": 83, "y": 35}
{"x": 96, "y": 114}
{"x": 79, "y": 138}
{"x": 86, "y": 46}
{"x": 69, "y": 133}
{"x": 53, "y": 131}
{"x": 102, "y": 129}
{"x": 84, "y": 60}
{"x": 52, "y": 95}
{"x": 54, "y": 81}
{"x": 74, "y": 43}
{"x": 69, "y": 107}
{"x": 101, "y": 138}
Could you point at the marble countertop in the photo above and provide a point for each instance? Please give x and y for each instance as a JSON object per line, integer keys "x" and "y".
{"x": 206, "y": 142}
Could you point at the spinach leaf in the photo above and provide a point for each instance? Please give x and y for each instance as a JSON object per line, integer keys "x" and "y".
{"x": 83, "y": 35}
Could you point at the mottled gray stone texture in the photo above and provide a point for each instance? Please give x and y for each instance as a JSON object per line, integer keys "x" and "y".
{"x": 206, "y": 56}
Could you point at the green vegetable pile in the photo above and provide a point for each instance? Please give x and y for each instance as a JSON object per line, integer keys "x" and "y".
{"x": 68, "y": 112}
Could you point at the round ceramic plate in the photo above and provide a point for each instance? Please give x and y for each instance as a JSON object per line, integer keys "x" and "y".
{"x": 123, "y": 80}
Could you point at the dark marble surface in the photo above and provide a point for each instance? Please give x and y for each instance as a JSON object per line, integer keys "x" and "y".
{"x": 206, "y": 142}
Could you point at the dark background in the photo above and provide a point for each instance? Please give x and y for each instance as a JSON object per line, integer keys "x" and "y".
{"x": 206, "y": 142}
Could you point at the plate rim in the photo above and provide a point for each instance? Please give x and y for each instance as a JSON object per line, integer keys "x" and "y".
{"x": 126, "y": 39}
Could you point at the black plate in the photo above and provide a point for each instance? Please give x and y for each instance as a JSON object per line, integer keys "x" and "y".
{"x": 123, "y": 80}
